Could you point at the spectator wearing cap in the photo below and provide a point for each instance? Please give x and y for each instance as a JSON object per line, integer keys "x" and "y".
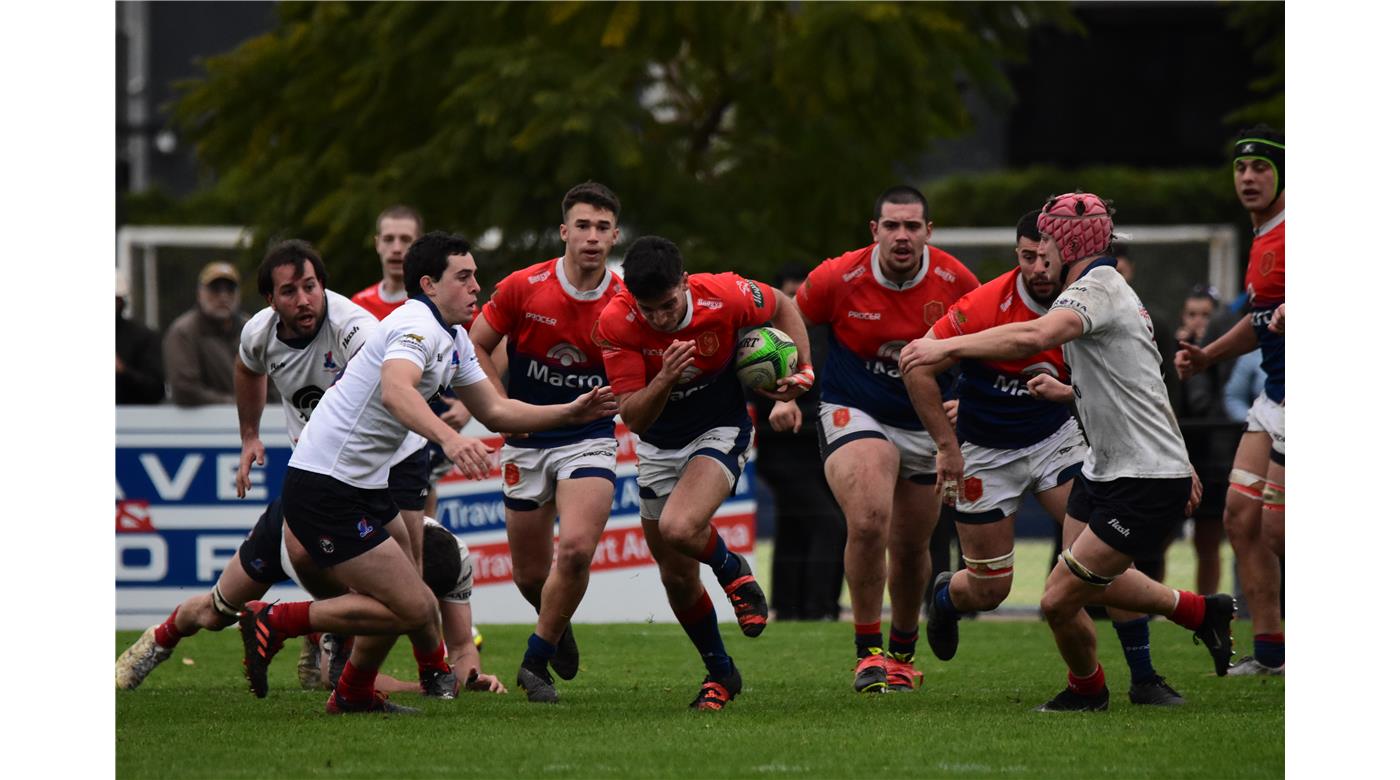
{"x": 140, "y": 377}
{"x": 201, "y": 344}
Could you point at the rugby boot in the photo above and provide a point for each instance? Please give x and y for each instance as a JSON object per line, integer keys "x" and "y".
{"x": 137, "y": 661}
{"x": 537, "y": 684}
{"x": 716, "y": 693}
{"x": 1155, "y": 692}
{"x": 337, "y": 650}
{"x": 1214, "y": 631}
{"x": 942, "y": 624}
{"x": 1249, "y": 666}
{"x": 1069, "y": 701}
{"x": 901, "y": 676}
{"x": 437, "y": 684}
{"x": 260, "y": 643}
{"x": 870, "y": 673}
{"x": 309, "y": 662}
{"x": 750, "y": 605}
{"x": 565, "y": 658}
{"x": 380, "y": 703}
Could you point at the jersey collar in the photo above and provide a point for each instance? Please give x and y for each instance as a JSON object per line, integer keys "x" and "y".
{"x": 1270, "y": 225}
{"x": 402, "y": 296}
{"x": 689, "y": 312}
{"x": 884, "y": 280}
{"x": 1026, "y": 296}
{"x": 581, "y": 295}
{"x": 426, "y": 301}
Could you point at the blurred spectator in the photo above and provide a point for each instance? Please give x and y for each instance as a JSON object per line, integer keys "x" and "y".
{"x": 1245, "y": 384}
{"x": 810, "y": 536}
{"x": 201, "y": 343}
{"x": 140, "y": 378}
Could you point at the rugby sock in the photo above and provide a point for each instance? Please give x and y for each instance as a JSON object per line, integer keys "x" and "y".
{"x": 537, "y": 653}
{"x": 702, "y": 626}
{"x": 356, "y": 684}
{"x": 869, "y": 640}
{"x": 944, "y": 597}
{"x": 1087, "y": 686}
{"x": 168, "y": 635}
{"x": 1268, "y": 649}
{"x": 724, "y": 564}
{"x": 435, "y": 658}
{"x": 292, "y": 618}
{"x": 903, "y": 643}
{"x": 1137, "y": 648}
{"x": 1189, "y": 611}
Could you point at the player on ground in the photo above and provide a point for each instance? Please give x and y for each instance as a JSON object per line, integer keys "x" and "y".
{"x": 1254, "y": 503}
{"x": 878, "y": 458}
{"x": 1136, "y": 480}
{"x": 1017, "y": 434}
{"x": 548, "y": 311}
{"x": 668, "y": 343}
{"x": 335, "y": 499}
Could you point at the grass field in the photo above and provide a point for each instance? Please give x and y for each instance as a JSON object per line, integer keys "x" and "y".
{"x": 625, "y": 715}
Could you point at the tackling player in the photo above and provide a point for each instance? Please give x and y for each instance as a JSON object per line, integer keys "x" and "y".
{"x": 668, "y": 344}
{"x": 878, "y": 458}
{"x": 1136, "y": 479}
{"x": 335, "y": 499}
{"x": 1254, "y": 503}
{"x": 548, "y": 311}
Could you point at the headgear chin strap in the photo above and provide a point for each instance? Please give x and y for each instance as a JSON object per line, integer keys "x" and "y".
{"x": 1080, "y": 222}
{"x": 1268, "y": 151}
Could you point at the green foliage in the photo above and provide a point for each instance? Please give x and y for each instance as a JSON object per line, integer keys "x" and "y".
{"x": 750, "y": 133}
{"x": 1261, "y": 25}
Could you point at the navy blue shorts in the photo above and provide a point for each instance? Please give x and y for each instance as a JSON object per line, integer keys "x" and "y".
{"x": 261, "y": 552}
{"x": 408, "y": 481}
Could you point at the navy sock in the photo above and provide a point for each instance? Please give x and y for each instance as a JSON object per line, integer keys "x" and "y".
{"x": 722, "y": 562}
{"x": 1268, "y": 649}
{"x": 869, "y": 640}
{"x": 1137, "y": 648}
{"x": 903, "y": 643}
{"x": 537, "y": 652}
{"x": 702, "y": 626}
{"x": 944, "y": 598}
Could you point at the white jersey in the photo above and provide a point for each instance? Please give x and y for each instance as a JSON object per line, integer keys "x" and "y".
{"x": 461, "y": 593}
{"x": 352, "y": 437}
{"x": 1116, "y": 371}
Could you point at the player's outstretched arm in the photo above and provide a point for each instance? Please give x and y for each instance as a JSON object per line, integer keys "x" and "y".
{"x": 250, "y": 396}
{"x": 499, "y": 413}
{"x": 1191, "y": 359}
{"x": 461, "y": 650}
{"x": 1004, "y": 342}
{"x": 399, "y": 392}
{"x": 927, "y": 401}
{"x": 641, "y": 408}
{"x": 1044, "y": 387}
{"x": 788, "y": 318}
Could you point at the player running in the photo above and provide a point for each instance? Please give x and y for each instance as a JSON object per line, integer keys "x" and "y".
{"x": 548, "y": 311}
{"x": 668, "y": 343}
{"x": 878, "y": 458}
{"x": 1254, "y": 503}
{"x": 335, "y": 499}
{"x": 1136, "y": 480}
{"x": 1017, "y": 434}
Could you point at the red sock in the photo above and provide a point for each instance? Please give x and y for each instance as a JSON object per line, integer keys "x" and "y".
{"x": 1190, "y": 610}
{"x": 356, "y": 684}
{"x": 292, "y": 618}
{"x": 167, "y": 634}
{"x": 868, "y": 628}
{"x": 1087, "y": 686}
{"x": 710, "y": 545}
{"x": 433, "y": 659}
{"x": 701, "y": 609}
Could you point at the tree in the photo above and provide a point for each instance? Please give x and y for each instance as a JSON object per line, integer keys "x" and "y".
{"x": 1261, "y": 26}
{"x": 750, "y": 133}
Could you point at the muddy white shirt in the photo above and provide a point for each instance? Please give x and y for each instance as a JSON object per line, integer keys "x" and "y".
{"x": 352, "y": 437}
{"x": 1115, "y": 368}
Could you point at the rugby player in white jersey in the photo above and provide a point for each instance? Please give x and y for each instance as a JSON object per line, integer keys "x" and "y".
{"x": 1136, "y": 480}
{"x": 336, "y": 500}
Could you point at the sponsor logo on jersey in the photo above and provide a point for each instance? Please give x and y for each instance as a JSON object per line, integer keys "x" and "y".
{"x": 959, "y": 319}
{"x": 864, "y": 315}
{"x": 1005, "y": 304}
{"x": 689, "y": 374}
{"x": 1115, "y": 525}
{"x": 944, "y": 274}
{"x": 417, "y": 338}
{"x": 258, "y": 565}
{"x": 708, "y": 343}
{"x": 1070, "y": 303}
{"x": 529, "y": 315}
{"x": 345, "y": 342}
{"x": 887, "y": 359}
{"x": 541, "y": 372}
{"x": 751, "y": 287}
{"x": 456, "y": 361}
{"x": 932, "y": 311}
{"x": 709, "y": 303}
{"x": 537, "y": 278}
{"x": 327, "y": 546}
{"x": 364, "y": 527}
{"x": 330, "y": 360}
{"x": 275, "y": 366}
{"x": 852, "y": 274}
{"x": 305, "y": 400}
{"x": 1010, "y": 385}
{"x": 566, "y": 354}
{"x": 972, "y": 489}
{"x": 841, "y": 417}
{"x": 511, "y": 474}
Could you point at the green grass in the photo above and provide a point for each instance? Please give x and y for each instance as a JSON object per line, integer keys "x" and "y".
{"x": 625, "y": 715}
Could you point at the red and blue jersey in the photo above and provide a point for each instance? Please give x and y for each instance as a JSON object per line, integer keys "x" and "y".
{"x": 552, "y": 357}
{"x": 718, "y": 307}
{"x": 996, "y": 409}
{"x": 1263, "y": 281}
{"x": 871, "y": 320}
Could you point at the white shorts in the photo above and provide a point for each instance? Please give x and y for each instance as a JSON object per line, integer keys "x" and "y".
{"x": 1267, "y": 416}
{"x": 994, "y": 480}
{"x": 842, "y": 425}
{"x": 530, "y": 473}
{"x": 659, "y": 470}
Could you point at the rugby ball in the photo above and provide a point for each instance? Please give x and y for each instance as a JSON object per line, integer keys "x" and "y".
{"x": 763, "y": 356}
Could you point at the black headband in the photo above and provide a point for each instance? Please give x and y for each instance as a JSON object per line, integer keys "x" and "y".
{"x": 1263, "y": 149}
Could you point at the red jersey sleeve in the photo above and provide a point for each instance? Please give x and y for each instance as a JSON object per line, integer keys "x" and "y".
{"x": 625, "y": 367}
{"x": 754, "y": 301}
{"x": 502, "y": 312}
{"x": 814, "y": 296}
{"x": 961, "y": 318}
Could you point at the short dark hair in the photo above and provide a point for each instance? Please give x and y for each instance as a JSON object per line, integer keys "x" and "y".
{"x": 1261, "y": 131}
{"x": 1118, "y": 250}
{"x": 594, "y": 194}
{"x": 442, "y": 560}
{"x": 293, "y": 252}
{"x": 652, "y": 267}
{"x": 1026, "y": 227}
{"x": 428, "y": 257}
{"x": 399, "y": 211}
{"x": 790, "y": 272}
{"x": 1203, "y": 290}
{"x": 900, "y": 194}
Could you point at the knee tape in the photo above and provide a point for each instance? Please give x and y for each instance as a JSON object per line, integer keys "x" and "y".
{"x": 1078, "y": 569}
{"x": 1272, "y": 497}
{"x": 991, "y": 568}
{"x": 1246, "y": 483}
{"x": 223, "y": 606}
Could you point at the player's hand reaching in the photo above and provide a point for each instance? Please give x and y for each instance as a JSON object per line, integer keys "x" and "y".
{"x": 950, "y": 408}
{"x": 789, "y": 387}
{"x": 1044, "y": 387}
{"x": 1190, "y": 360}
{"x": 594, "y": 404}
{"x": 950, "y": 474}
{"x": 469, "y": 455}
{"x": 922, "y": 352}
{"x": 679, "y": 356}
{"x": 1276, "y": 322}
{"x": 1195, "y": 499}
{"x": 786, "y": 416}
{"x": 456, "y": 414}
{"x": 252, "y": 451}
{"x": 476, "y": 681}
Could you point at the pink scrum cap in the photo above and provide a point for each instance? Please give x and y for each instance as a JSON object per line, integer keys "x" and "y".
{"x": 1080, "y": 222}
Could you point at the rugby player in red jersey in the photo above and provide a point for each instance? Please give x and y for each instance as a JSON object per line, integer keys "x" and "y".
{"x": 668, "y": 344}
{"x": 546, "y": 312}
{"x": 879, "y": 460}
{"x": 1254, "y": 503}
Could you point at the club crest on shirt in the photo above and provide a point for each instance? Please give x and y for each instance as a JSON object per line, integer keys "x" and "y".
{"x": 327, "y": 546}
{"x": 932, "y": 311}
{"x": 972, "y": 489}
{"x": 708, "y": 343}
{"x": 511, "y": 474}
{"x": 841, "y": 417}
{"x": 364, "y": 527}
{"x": 1266, "y": 263}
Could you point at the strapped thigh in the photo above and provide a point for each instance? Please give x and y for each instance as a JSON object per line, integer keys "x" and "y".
{"x": 1082, "y": 572}
{"x": 1247, "y": 483}
{"x": 991, "y": 568}
{"x": 223, "y": 605}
